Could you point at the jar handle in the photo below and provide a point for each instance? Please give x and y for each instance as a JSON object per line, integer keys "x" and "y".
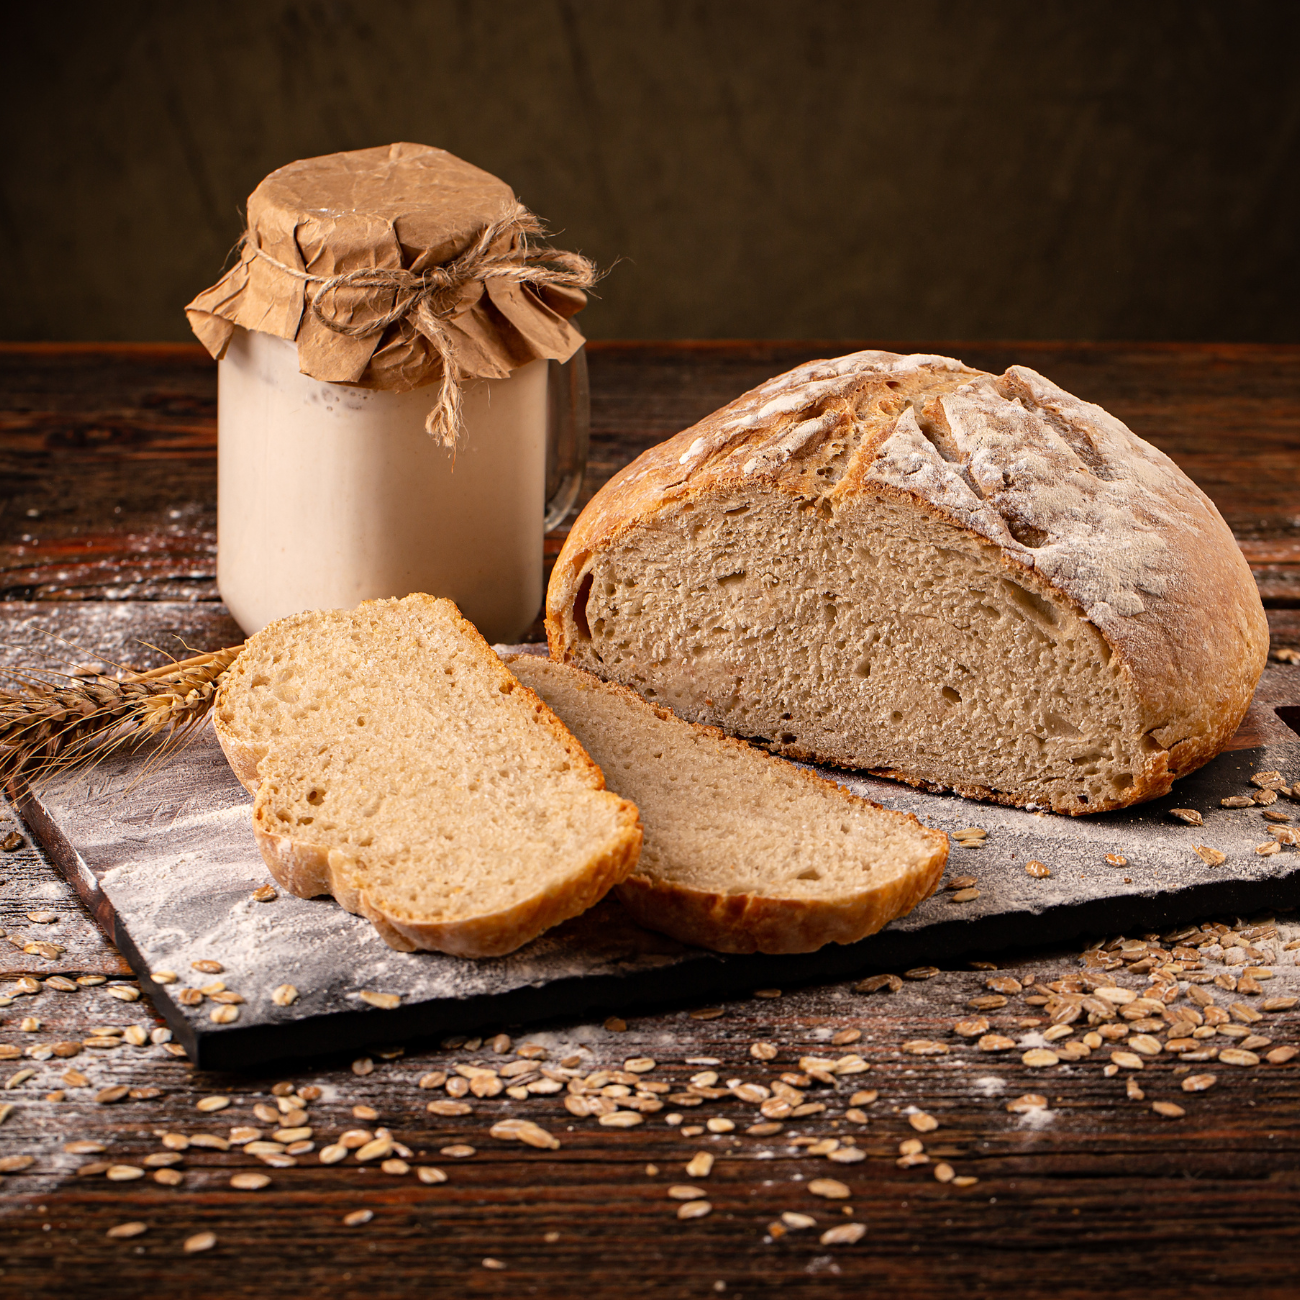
{"x": 568, "y": 435}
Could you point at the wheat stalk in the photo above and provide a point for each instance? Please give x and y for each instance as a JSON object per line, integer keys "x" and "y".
{"x": 50, "y": 726}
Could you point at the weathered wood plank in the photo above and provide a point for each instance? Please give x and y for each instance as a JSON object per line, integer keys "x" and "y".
{"x": 113, "y": 448}
{"x": 1098, "y": 1195}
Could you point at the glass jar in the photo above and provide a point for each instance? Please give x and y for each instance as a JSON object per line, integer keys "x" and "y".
{"x": 330, "y": 494}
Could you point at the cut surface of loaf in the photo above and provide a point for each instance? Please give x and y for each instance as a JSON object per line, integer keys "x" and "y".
{"x": 743, "y": 852}
{"x": 901, "y": 564}
{"x": 399, "y": 766}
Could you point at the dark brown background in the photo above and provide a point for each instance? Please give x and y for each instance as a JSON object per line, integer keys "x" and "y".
{"x": 767, "y": 169}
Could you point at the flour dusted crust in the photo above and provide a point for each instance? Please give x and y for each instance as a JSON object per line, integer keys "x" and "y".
{"x": 276, "y": 745}
{"x": 1055, "y": 493}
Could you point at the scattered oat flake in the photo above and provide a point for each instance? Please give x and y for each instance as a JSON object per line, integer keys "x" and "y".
{"x": 621, "y": 1119}
{"x": 1116, "y": 860}
{"x": 207, "y": 1104}
{"x": 127, "y": 1230}
{"x": 1237, "y": 1056}
{"x": 964, "y": 896}
{"x": 1188, "y": 815}
{"x": 701, "y": 1165}
{"x": 681, "y": 1192}
{"x": 1030, "y": 1101}
{"x": 922, "y": 1122}
{"x": 458, "y": 1151}
{"x": 616, "y": 1025}
{"x": 384, "y": 1001}
{"x": 1168, "y": 1110}
{"x": 357, "y": 1217}
{"x": 707, "y": 1013}
{"x": 449, "y": 1108}
{"x": 250, "y": 1182}
{"x": 199, "y": 1241}
{"x": 924, "y": 1047}
{"x": 846, "y": 1234}
{"x": 522, "y": 1130}
{"x": 829, "y": 1188}
{"x": 495, "y": 1264}
{"x": 1211, "y": 856}
{"x": 694, "y": 1210}
{"x": 918, "y": 973}
{"x": 284, "y": 995}
{"x": 208, "y": 967}
{"x": 265, "y": 894}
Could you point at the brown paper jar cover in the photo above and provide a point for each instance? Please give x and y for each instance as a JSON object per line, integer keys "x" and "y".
{"x": 397, "y": 207}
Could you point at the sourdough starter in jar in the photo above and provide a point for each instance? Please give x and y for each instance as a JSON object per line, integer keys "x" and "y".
{"x": 330, "y": 494}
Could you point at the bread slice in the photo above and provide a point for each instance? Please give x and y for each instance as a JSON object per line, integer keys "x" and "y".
{"x": 400, "y": 767}
{"x": 899, "y": 563}
{"x": 743, "y": 852}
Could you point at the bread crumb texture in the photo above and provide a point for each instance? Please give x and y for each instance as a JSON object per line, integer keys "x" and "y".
{"x": 743, "y": 852}
{"x": 900, "y": 564}
{"x": 399, "y": 766}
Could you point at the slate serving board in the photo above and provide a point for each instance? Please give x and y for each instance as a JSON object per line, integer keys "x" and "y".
{"x": 168, "y": 866}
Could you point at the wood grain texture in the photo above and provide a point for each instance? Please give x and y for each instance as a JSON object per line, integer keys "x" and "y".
{"x": 108, "y": 452}
{"x": 1101, "y": 1195}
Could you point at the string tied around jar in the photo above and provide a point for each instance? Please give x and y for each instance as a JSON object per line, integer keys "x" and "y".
{"x": 503, "y": 250}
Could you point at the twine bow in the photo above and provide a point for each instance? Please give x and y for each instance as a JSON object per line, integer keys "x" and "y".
{"x": 428, "y": 298}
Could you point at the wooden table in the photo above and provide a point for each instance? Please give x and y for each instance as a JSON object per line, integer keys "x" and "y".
{"x": 107, "y": 538}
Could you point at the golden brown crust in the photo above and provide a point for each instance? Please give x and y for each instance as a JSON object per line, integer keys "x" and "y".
{"x": 1191, "y": 645}
{"x": 310, "y": 869}
{"x": 753, "y": 923}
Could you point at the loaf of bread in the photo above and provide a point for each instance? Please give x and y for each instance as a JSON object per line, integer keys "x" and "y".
{"x": 743, "y": 852}
{"x": 399, "y": 766}
{"x": 897, "y": 563}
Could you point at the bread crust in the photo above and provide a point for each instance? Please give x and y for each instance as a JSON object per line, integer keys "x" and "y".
{"x": 744, "y": 923}
{"x": 1182, "y": 617}
{"x": 749, "y": 922}
{"x": 310, "y": 869}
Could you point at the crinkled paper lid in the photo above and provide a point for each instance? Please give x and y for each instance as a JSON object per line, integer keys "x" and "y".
{"x": 402, "y": 208}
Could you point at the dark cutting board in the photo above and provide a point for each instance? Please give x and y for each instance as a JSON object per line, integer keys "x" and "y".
{"x": 168, "y": 865}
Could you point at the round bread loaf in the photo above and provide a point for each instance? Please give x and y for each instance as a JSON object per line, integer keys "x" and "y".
{"x": 901, "y": 564}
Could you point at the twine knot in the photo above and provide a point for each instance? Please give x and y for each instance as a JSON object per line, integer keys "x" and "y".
{"x": 428, "y": 298}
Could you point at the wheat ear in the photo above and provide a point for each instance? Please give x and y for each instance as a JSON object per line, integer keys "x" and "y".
{"x": 49, "y": 727}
